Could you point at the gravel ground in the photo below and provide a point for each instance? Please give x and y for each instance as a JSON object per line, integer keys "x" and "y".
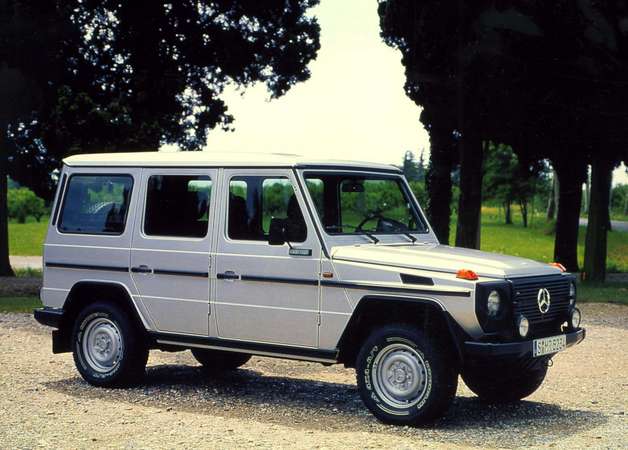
{"x": 276, "y": 403}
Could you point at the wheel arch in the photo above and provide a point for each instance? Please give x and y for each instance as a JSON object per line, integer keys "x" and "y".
{"x": 86, "y": 292}
{"x": 377, "y": 310}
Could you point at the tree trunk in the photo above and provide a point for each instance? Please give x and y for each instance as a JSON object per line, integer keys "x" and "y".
{"x": 438, "y": 184}
{"x": 508, "y": 213}
{"x": 523, "y": 205}
{"x": 597, "y": 227}
{"x": 610, "y": 204}
{"x": 570, "y": 178}
{"x": 470, "y": 202}
{"x": 5, "y": 265}
{"x": 587, "y": 192}
{"x": 552, "y": 203}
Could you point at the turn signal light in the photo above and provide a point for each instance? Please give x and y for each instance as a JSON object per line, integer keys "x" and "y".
{"x": 558, "y": 266}
{"x": 467, "y": 274}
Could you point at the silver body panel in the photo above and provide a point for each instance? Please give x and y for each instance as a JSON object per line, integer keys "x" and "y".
{"x": 276, "y": 298}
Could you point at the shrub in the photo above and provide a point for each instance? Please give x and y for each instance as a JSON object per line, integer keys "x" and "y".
{"x": 23, "y": 202}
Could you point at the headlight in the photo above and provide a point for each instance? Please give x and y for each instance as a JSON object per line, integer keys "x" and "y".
{"x": 493, "y": 303}
{"x": 523, "y": 326}
{"x": 575, "y": 317}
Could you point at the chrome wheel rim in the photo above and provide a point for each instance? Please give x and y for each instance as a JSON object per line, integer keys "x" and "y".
{"x": 102, "y": 345}
{"x": 400, "y": 375}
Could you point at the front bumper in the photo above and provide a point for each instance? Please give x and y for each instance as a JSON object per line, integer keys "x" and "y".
{"x": 520, "y": 349}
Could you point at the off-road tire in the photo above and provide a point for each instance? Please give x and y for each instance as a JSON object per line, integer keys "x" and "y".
{"x": 133, "y": 355}
{"x": 386, "y": 351}
{"x": 218, "y": 361}
{"x": 505, "y": 382}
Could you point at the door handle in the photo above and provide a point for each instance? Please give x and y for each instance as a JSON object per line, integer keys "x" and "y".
{"x": 228, "y": 275}
{"x": 142, "y": 269}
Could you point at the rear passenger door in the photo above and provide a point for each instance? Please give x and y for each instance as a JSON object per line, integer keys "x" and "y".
{"x": 171, "y": 243}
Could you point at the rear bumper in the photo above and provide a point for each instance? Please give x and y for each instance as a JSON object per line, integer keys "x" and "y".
{"x": 521, "y": 349}
{"x": 50, "y": 317}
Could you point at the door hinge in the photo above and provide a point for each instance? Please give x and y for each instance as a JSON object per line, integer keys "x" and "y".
{"x": 318, "y": 318}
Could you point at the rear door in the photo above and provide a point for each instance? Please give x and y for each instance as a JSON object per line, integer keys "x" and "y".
{"x": 170, "y": 256}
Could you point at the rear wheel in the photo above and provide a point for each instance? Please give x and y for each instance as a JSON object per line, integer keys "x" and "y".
{"x": 404, "y": 376}
{"x": 506, "y": 382}
{"x": 216, "y": 360}
{"x": 108, "y": 348}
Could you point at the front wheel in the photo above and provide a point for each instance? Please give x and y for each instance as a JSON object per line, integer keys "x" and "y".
{"x": 506, "y": 382}
{"x": 404, "y": 376}
{"x": 108, "y": 348}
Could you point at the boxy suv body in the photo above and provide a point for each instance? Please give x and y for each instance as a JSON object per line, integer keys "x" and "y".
{"x": 274, "y": 255}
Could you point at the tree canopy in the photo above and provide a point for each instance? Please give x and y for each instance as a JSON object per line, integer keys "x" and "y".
{"x": 549, "y": 82}
{"x": 136, "y": 75}
{"x": 104, "y": 76}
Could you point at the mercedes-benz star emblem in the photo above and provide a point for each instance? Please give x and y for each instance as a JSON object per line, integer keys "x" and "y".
{"x": 543, "y": 299}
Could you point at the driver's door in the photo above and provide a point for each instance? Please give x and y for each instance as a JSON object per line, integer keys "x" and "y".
{"x": 265, "y": 293}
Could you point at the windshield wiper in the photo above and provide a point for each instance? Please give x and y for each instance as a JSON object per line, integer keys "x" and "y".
{"x": 409, "y": 236}
{"x": 373, "y": 239}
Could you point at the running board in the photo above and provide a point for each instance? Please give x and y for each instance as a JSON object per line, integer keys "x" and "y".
{"x": 253, "y": 348}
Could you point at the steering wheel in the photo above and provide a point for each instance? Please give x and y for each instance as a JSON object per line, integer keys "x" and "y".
{"x": 370, "y": 216}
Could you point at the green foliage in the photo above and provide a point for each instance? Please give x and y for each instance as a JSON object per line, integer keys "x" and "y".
{"x": 412, "y": 169}
{"x": 28, "y": 272}
{"x": 135, "y": 75}
{"x": 22, "y": 203}
{"x": 619, "y": 202}
{"x": 19, "y": 304}
{"x": 418, "y": 188}
{"x": 506, "y": 180}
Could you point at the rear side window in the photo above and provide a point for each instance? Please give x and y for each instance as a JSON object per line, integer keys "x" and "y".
{"x": 96, "y": 204}
{"x": 177, "y": 206}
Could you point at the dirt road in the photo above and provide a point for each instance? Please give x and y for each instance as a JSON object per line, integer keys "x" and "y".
{"x": 276, "y": 403}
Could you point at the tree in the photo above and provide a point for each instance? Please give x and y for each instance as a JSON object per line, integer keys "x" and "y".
{"x": 136, "y": 75}
{"x": 31, "y": 34}
{"x": 411, "y": 169}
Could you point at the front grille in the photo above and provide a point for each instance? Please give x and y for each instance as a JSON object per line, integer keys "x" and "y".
{"x": 525, "y": 293}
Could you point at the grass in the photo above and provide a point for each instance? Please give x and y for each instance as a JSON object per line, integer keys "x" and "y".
{"x": 534, "y": 242}
{"x": 609, "y": 292}
{"x": 587, "y": 293}
{"x": 537, "y": 242}
{"x": 19, "y": 304}
{"x": 26, "y": 239}
{"x": 28, "y": 273}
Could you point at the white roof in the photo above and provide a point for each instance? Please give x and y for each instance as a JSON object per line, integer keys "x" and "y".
{"x": 214, "y": 159}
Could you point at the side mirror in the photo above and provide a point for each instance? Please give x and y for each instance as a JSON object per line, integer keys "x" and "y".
{"x": 277, "y": 231}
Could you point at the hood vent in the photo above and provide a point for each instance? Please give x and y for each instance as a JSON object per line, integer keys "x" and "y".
{"x": 415, "y": 279}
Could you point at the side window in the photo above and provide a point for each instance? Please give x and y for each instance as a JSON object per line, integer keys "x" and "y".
{"x": 177, "y": 205}
{"x": 96, "y": 204}
{"x": 254, "y": 201}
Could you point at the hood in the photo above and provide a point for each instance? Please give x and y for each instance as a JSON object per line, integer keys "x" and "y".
{"x": 443, "y": 258}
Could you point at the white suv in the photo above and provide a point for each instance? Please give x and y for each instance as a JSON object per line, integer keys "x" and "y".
{"x": 240, "y": 254}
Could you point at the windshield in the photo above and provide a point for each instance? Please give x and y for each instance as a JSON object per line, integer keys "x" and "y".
{"x": 359, "y": 204}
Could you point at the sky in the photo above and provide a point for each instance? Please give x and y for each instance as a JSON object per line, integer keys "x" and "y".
{"x": 352, "y": 107}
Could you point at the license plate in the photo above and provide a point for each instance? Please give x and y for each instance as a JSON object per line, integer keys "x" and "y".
{"x": 549, "y": 345}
